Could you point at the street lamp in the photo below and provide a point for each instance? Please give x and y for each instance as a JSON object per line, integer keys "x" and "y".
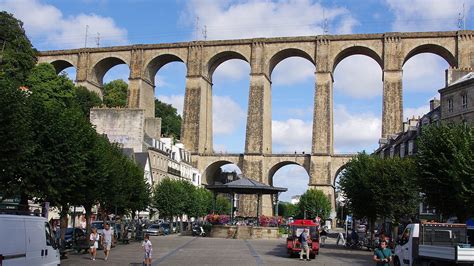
{"x": 342, "y": 201}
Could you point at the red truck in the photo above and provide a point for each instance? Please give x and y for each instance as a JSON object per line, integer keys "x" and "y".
{"x": 295, "y": 229}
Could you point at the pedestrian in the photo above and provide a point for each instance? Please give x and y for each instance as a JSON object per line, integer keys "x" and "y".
{"x": 304, "y": 244}
{"x": 382, "y": 254}
{"x": 147, "y": 247}
{"x": 94, "y": 243}
{"x": 107, "y": 238}
{"x": 323, "y": 235}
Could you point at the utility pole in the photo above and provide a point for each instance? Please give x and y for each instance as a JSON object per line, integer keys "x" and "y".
{"x": 204, "y": 32}
{"x": 196, "y": 28}
{"x": 97, "y": 40}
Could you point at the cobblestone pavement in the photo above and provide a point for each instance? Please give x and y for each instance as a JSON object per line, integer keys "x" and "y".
{"x": 185, "y": 250}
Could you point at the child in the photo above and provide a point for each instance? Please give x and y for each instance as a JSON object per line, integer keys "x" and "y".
{"x": 94, "y": 243}
{"x": 148, "y": 249}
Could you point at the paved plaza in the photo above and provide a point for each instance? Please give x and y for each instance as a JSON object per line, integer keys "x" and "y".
{"x": 185, "y": 250}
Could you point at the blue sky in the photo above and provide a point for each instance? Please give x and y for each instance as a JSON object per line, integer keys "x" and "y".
{"x": 358, "y": 79}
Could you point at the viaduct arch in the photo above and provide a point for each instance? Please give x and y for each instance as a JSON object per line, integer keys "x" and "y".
{"x": 389, "y": 50}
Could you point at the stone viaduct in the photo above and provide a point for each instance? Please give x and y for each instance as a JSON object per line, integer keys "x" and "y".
{"x": 389, "y": 50}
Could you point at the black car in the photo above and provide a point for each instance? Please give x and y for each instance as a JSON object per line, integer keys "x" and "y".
{"x": 81, "y": 241}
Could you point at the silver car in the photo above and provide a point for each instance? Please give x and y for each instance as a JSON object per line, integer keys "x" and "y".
{"x": 153, "y": 230}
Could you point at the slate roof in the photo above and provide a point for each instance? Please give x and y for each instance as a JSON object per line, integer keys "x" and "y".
{"x": 141, "y": 158}
{"x": 245, "y": 185}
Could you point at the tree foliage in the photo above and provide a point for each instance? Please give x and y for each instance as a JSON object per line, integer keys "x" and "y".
{"x": 223, "y": 205}
{"x": 377, "y": 187}
{"x": 314, "y": 203}
{"x": 201, "y": 203}
{"x": 286, "y": 209}
{"x": 18, "y": 56}
{"x": 86, "y": 99}
{"x": 115, "y": 93}
{"x": 170, "y": 119}
{"x": 445, "y": 161}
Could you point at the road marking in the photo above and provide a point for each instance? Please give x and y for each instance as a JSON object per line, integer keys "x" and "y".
{"x": 254, "y": 253}
{"x": 171, "y": 253}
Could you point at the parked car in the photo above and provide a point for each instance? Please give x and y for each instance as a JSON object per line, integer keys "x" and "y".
{"x": 154, "y": 230}
{"x": 166, "y": 228}
{"x": 81, "y": 241}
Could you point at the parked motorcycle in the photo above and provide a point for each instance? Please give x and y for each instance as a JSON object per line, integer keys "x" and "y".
{"x": 198, "y": 231}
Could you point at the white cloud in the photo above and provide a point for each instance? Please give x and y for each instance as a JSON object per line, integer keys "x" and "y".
{"x": 424, "y": 73}
{"x": 416, "y": 112}
{"x": 232, "y": 70}
{"x": 426, "y": 15}
{"x": 177, "y": 101}
{"x": 293, "y": 177}
{"x": 292, "y": 71}
{"x": 248, "y": 19}
{"x": 49, "y": 29}
{"x": 359, "y": 76}
{"x": 291, "y": 135}
{"x": 227, "y": 115}
{"x": 354, "y": 132}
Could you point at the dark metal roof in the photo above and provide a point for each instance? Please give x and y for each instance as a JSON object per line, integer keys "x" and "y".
{"x": 141, "y": 158}
{"x": 245, "y": 185}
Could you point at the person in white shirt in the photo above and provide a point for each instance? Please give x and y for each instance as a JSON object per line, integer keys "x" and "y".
{"x": 94, "y": 243}
{"x": 147, "y": 247}
{"x": 107, "y": 237}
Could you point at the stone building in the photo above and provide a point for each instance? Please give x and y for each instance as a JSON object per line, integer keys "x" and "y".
{"x": 172, "y": 161}
{"x": 457, "y": 101}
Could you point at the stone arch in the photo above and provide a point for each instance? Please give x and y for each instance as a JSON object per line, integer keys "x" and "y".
{"x": 220, "y": 58}
{"x": 278, "y": 166}
{"x": 101, "y": 67}
{"x": 154, "y": 65}
{"x": 284, "y": 54}
{"x": 338, "y": 171}
{"x": 433, "y": 49}
{"x": 61, "y": 64}
{"x": 212, "y": 169}
{"x": 357, "y": 50}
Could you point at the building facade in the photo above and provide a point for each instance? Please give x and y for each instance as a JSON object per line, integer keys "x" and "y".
{"x": 457, "y": 101}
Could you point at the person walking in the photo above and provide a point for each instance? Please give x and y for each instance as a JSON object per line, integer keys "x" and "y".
{"x": 323, "y": 235}
{"x": 147, "y": 247}
{"x": 107, "y": 237}
{"x": 94, "y": 243}
{"x": 304, "y": 244}
{"x": 382, "y": 254}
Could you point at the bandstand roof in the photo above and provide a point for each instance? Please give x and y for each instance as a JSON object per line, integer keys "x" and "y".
{"x": 245, "y": 185}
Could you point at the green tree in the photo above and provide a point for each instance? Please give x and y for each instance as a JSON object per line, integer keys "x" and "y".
{"x": 445, "y": 161}
{"x": 286, "y": 209}
{"x": 17, "y": 56}
{"x": 115, "y": 93}
{"x": 16, "y": 140}
{"x": 166, "y": 198}
{"x": 170, "y": 119}
{"x": 383, "y": 188}
{"x": 201, "y": 203}
{"x": 222, "y": 205}
{"x": 314, "y": 203}
{"x": 49, "y": 88}
{"x": 86, "y": 99}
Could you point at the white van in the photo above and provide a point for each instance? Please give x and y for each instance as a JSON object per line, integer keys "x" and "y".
{"x": 27, "y": 240}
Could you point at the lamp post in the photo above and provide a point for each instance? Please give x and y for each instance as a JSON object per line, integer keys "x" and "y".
{"x": 342, "y": 201}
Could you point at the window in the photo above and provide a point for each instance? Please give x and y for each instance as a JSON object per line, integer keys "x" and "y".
{"x": 464, "y": 101}
{"x": 450, "y": 105}
{"x": 49, "y": 237}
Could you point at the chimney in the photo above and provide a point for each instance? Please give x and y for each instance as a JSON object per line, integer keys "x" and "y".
{"x": 434, "y": 104}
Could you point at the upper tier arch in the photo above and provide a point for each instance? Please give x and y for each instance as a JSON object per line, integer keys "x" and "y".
{"x": 220, "y": 58}
{"x": 357, "y": 50}
{"x": 61, "y": 64}
{"x": 154, "y": 65}
{"x": 434, "y": 49}
{"x": 101, "y": 67}
{"x": 286, "y": 53}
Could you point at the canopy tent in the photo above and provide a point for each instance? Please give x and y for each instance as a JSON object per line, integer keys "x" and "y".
{"x": 246, "y": 186}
